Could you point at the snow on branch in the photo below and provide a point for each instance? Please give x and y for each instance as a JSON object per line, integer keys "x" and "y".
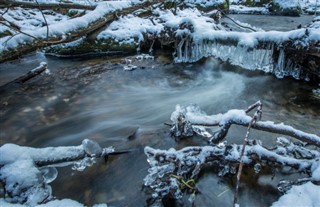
{"x": 174, "y": 172}
{"x": 171, "y": 169}
{"x": 192, "y": 119}
{"x": 38, "y": 166}
{"x": 69, "y": 30}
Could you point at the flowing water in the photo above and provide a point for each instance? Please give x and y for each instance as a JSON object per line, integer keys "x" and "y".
{"x": 97, "y": 99}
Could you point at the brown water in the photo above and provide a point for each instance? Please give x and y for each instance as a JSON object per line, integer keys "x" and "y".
{"x": 97, "y": 99}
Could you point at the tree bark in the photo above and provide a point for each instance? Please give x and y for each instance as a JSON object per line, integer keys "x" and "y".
{"x": 25, "y": 4}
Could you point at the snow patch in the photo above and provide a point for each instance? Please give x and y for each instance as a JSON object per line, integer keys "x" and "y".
{"x": 302, "y": 195}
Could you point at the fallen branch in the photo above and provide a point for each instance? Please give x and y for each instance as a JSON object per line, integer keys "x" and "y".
{"x": 166, "y": 166}
{"x": 104, "y": 13}
{"x": 26, "y": 4}
{"x": 24, "y": 78}
{"x": 190, "y": 118}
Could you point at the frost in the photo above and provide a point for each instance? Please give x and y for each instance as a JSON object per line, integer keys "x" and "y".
{"x": 83, "y": 164}
{"x": 257, "y": 168}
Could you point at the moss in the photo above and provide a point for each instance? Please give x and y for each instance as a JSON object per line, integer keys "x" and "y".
{"x": 169, "y": 4}
{"x": 5, "y": 33}
{"x": 278, "y": 10}
{"x": 98, "y": 46}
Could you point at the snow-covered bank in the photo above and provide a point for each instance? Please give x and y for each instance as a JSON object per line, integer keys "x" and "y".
{"x": 26, "y": 172}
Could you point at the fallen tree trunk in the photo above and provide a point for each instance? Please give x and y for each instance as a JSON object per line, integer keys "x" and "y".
{"x": 41, "y": 5}
{"x": 84, "y": 25}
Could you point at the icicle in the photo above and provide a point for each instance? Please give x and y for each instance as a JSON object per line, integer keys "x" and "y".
{"x": 279, "y": 70}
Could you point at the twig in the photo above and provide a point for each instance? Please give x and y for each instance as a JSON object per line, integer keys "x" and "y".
{"x": 256, "y": 116}
{"x": 5, "y": 11}
{"x": 14, "y": 28}
{"x": 45, "y": 20}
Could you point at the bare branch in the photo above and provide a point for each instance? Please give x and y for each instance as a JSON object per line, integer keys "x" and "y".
{"x": 26, "y": 4}
{"x": 31, "y": 74}
{"x": 45, "y": 20}
{"x": 256, "y": 115}
{"x": 15, "y": 27}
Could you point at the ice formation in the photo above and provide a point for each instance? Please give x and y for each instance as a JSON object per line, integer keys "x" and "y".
{"x": 26, "y": 172}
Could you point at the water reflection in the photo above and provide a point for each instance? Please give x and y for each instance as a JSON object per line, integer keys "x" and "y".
{"x": 110, "y": 104}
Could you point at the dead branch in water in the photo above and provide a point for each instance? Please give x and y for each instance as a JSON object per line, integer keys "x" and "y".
{"x": 24, "y": 78}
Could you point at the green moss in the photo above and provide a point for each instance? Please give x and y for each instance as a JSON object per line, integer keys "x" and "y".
{"x": 92, "y": 47}
{"x": 278, "y": 10}
{"x": 168, "y": 4}
{"x": 5, "y": 33}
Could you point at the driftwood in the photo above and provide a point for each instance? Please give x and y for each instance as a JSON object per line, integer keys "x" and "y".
{"x": 24, "y": 78}
{"x": 36, "y": 43}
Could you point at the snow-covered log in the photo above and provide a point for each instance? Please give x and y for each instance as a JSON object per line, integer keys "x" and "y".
{"x": 14, "y": 46}
{"x": 26, "y": 172}
{"x": 192, "y": 119}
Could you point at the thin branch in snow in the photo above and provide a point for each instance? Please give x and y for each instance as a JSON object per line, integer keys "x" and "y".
{"x": 45, "y": 20}
{"x": 7, "y": 9}
{"x": 16, "y": 28}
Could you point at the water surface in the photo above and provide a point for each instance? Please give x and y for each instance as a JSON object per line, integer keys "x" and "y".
{"x": 97, "y": 99}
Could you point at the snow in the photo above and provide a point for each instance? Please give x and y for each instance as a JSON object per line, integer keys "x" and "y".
{"x": 30, "y": 19}
{"x": 54, "y": 203}
{"x": 305, "y": 195}
{"x": 130, "y": 29}
{"x": 287, "y": 4}
{"x": 315, "y": 169}
{"x": 64, "y": 28}
{"x": 31, "y": 187}
{"x": 239, "y": 9}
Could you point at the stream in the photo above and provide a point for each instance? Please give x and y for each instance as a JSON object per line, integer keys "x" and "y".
{"x": 97, "y": 99}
